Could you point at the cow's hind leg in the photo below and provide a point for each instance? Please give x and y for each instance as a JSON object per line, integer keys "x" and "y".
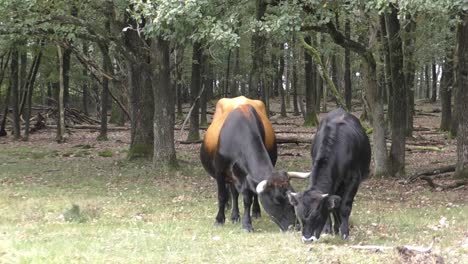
{"x": 222, "y": 200}
{"x": 235, "y": 217}
{"x": 246, "y": 220}
{"x": 256, "y": 207}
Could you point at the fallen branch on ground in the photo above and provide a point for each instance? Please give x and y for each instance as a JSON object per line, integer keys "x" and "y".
{"x": 399, "y": 248}
{"x": 432, "y": 172}
{"x": 279, "y": 140}
{"x": 412, "y": 147}
{"x": 443, "y": 187}
{"x": 92, "y": 127}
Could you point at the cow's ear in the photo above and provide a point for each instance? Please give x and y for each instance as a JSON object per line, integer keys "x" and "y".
{"x": 293, "y": 198}
{"x": 261, "y": 186}
{"x": 333, "y": 201}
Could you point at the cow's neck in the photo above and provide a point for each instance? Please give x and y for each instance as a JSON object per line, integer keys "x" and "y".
{"x": 258, "y": 165}
{"x": 322, "y": 179}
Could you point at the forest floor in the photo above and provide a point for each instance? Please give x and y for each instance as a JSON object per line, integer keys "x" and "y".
{"x": 83, "y": 202}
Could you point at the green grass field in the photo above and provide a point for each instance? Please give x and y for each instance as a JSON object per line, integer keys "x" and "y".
{"x": 133, "y": 213}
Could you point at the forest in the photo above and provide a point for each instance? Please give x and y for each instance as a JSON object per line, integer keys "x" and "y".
{"x": 104, "y": 106}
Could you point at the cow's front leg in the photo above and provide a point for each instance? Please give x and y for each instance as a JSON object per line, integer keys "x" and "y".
{"x": 222, "y": 200}
{"x": 256, "y": 207}
{"x": 337, "y": 222}
{"x": 246, "y": 220}
{"x": 346, "y": 207}
{"x": 235, "y": 217}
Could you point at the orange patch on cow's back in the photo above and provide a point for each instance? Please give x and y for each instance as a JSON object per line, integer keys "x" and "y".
{"x": 225, "y": 106}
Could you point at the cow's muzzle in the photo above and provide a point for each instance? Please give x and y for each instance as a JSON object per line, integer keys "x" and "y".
{"x": 309, "y": 240}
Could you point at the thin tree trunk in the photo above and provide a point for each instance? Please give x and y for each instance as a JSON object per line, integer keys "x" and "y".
{"x": 106, "y": 65}
{"x": 235, "y": 74}
{"x": 30, "y": 87}
{"x": 7, "y": 97}
{"x": 15, "y": 93}
{"x": 446, "y": 82}
{"x": 410, "y": 71}
{"x": 85, "y": 86}
{"x": 256, "y": 81}
{"x": 397, "y": 151}
{"x": 462, "y": 98}
{"x": 231, "y": 89}
{"x": 427, "y": 90}
{"x": 66, "y": 76}
{"x": 61, "y": 107}
{"x": 294, "y": 76}
{"x": 206, "y": 82}
{"x": 280, "y": 79}
{"x": 195, "y": 87}
{"x": 23, "y": 78}
{"x": 388, "y": 71}
{"x": 434, "y": 83}
{"x": 310, "y": 118}
{"x": 347, "y": 70}
{"x": 164, "y": 99}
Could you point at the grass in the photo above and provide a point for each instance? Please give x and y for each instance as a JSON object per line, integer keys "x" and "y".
{"x": 133, "y": 213}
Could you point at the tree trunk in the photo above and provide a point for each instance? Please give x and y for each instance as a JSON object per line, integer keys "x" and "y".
{"x": 30, "y": 87}
{"x": 164, "y": 99}
{"x": 61, "y": 108}
{"x": 347, "y": 69}
{"x": 66, "y": 76}
{"x": 397, "y": 151}
{"x": 177, "y": 81}
{"x": 256, "y": 81}
{"x": 434, "y": 83}
{"x": 195, "y": 86}
{"x": 310, "y": 118}
{"x": 294, "y": 76}
{"x": 3, "y": 132}
{"x": 106, "y": 65}
{"x": 231, "y": 87}
{"x": 15, "y": 93}
{"x": 410, "y": 71}
{"x": 85, "y": 86}
{"x": 462, "y": 98}
{"x": 23, "y": 78}
{"x": 141, "y": 96}
{"x": 279, "y": 80}
{"x": 387, "y": 70}
{"x": 446, "y": 82}
{"x": 427, "y": 90}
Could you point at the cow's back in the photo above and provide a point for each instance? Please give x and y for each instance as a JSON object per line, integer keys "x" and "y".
{"x": 224, "y": 107}
{"x": 342, "y": 143}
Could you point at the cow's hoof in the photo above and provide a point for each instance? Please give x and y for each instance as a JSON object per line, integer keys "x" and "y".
{"x": 256, "y": 215}
{"x": 219, "y": 222}
{"x": 248, "y": 229}
{"x": 235, "y": 219}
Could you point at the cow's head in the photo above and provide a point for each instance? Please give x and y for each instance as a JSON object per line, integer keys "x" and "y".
{"x": 273, "y": 194}
{"x": 313, "y": 208}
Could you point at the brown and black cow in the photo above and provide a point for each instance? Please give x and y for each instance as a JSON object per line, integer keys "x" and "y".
{"x": 341, "y": 153}
{"x": 239, "y": 148}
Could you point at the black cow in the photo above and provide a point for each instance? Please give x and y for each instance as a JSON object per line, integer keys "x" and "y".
{"x": 341, "y": 153}
{"x": 241, "y": 157}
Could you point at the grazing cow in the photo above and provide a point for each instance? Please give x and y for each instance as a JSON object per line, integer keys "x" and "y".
{"x": 341, "y": 154}
{"x": 239, "y": 148}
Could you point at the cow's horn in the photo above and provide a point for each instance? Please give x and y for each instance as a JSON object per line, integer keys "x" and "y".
{"x": 261, "y": 186}
{"x": 324, "y": 195}
{"x": 298, "y": 175}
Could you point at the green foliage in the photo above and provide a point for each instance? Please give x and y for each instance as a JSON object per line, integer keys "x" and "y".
{"x": 311, "y": 120}
{"x": 105, "y": 153}
{"x": 140, "y": 151}
{"x": 74, "y": 215}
